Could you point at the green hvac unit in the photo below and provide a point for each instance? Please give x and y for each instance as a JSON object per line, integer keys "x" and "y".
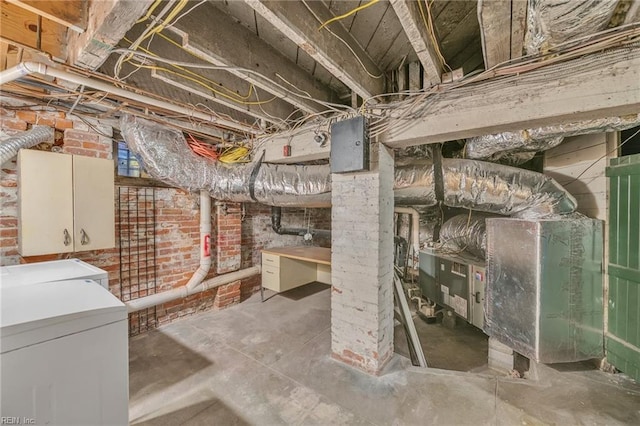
{"x": 454, "y": 282}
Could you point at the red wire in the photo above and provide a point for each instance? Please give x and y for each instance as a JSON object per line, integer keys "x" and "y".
{"x": 202, "y": 149}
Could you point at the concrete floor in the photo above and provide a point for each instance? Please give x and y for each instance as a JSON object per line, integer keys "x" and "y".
{"x": 268, "y": 363}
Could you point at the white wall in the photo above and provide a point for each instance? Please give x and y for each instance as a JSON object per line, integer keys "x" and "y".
{"x": 570, "y": 159}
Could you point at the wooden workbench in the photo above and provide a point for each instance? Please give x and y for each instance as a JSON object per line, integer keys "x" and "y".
{"x": 284, "y": 268}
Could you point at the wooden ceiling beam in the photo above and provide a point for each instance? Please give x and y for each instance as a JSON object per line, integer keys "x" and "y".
{"x": 502, "y": 28}
{"x": 26, "y": 29}
{"x": 548, "y": 96}
{"x": 218, "y": 86}
{"x": 69, "y": 13}
{"x": 222, "y": 41}
{"x": 414, "y": 26}
{"x": 108, "y": 22}
{"x": 300, "y": 22}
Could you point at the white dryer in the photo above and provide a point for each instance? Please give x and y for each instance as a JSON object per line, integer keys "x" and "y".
{"x": 55, "y": 270}
{"x": 63, "y": 354}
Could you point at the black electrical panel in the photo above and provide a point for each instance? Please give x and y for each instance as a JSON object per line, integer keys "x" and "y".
{"x": 349, "y": 146}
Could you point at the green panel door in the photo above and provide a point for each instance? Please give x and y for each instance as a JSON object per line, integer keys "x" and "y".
{"x": 623, "y": 333}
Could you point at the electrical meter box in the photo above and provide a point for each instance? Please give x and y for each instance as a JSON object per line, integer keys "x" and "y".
{"x": 349, "y": 145}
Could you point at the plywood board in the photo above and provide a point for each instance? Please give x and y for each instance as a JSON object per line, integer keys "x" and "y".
{"x": 69, "y": 13}
{"x": 20, "y": 26}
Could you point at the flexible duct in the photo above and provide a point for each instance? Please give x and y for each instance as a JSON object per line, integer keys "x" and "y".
{"x": 465, "y": 232}
{"x": 9, "y": 147}
{"x": 469, "y": 184}
{"x": 499, "y": 146}
{"x": 551, "y": 22}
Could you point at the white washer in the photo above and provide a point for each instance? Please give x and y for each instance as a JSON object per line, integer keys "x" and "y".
{"x": 55, "y": 270}
{"x": 63, "y": 354}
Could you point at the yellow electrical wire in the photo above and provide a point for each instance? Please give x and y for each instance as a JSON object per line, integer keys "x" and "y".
{"x": 198, "y": 80}
{"x": 235, "y": 155}
{"x": 429, "y": 26}
{"x": 349, "y": 13}
{"x": 149, "y": 12}
{"x": 178, "y": 45}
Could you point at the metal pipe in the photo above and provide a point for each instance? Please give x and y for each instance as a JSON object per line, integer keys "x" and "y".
{"x": 276, "y": 217}
{"x": 415, "y": 232}
{"x": 9, "y": 147}
{"x": 27, "y": 68}
{"x": 205, "y": 237}
{"x": 183, "y": 291}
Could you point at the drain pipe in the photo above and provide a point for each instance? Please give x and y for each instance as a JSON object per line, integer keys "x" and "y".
{"x": 10, "y": 146}
{"x": 205, "y": 239}
{"x": 195, "y": 284}
{"x": 182, "y": 292}
{"x": 415, "y": 232}
{"x": 27, "y": 68}
{"x": 276, "y": 217}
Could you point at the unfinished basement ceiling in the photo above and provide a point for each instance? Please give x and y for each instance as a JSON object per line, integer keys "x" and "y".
{"x": 257, "y": 67}
{"x": 375, "y": 29}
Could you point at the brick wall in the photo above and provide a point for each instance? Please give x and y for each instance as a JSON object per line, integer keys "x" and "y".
{"x": 237, "y": 236}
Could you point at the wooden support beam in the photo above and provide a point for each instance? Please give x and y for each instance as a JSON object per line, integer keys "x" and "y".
{"x": 494, "y": 17}
{"x": 502, "y": 28}
{"x": 337, "y": 55}
{"x": 582, "y": 89}
{"x": 24, "y": 28}
{"x": 108, "y": 22}
{"x": 69, "y": 13}
{"x": 221, "y": 41}
{"x": 551, "y": 95}
{"x": 218, "y": 86}
{"x": 414, "y": 26}
{"x": 303, "y": 147}
{"x": 518, "y": 27}
{"x": 633, "y": 14}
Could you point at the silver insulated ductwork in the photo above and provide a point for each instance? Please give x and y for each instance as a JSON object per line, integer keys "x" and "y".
{"x": 469, "y": 184}
{"x": 515, "y": 145}
{"x": 38, "y": 134}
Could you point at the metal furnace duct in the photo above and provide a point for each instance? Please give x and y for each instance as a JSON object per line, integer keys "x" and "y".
{"x": 469, "y": 184}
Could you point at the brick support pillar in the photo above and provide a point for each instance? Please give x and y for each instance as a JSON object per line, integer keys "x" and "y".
{"x": 362, "y": 264}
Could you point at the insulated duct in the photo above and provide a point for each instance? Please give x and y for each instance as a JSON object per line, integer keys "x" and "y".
{"x": 551, "y": 22}
{"x": 38, "y": 134}
{"x": 510, "y": 145}
{"x": 465, "y": 232}
{"x": 467, "y": 183}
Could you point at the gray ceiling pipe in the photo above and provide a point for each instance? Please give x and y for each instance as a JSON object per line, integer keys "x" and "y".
{"x": 476, "y": 185}
{"x": 38, "y": 134}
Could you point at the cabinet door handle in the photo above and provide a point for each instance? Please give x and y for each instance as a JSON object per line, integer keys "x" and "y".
{"x": 84, "y": 237}
{"x": 477, "y": 295}
{"x": 67, "y": 237}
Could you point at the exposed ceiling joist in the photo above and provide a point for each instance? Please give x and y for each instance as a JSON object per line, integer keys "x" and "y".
{"x": 221, "y": 41}
{"x": 108, "y": 22}
{"x": 69, "y": 13}
{"x": 218, "y": 86}
{"x": 633, "y": 14}
{"x": 414, "y": 25}
{"x": 343, "y": 57}
{"x": 502, "y": 27}
{"x": 26, "y": 29}
{"x": 551, "y": 95}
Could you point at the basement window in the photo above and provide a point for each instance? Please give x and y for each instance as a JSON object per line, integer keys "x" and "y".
{"x": 128, "y": 163}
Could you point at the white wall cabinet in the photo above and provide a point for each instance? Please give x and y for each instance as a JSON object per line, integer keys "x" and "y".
{"x": 65, "y": 203}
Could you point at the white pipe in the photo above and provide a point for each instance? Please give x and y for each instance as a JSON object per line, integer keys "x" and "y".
{"x": 415, "y": 232}
{"x": 28, "y": 68}
{"x": 205, "y": 238}
{"x": 183, "y": 291}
